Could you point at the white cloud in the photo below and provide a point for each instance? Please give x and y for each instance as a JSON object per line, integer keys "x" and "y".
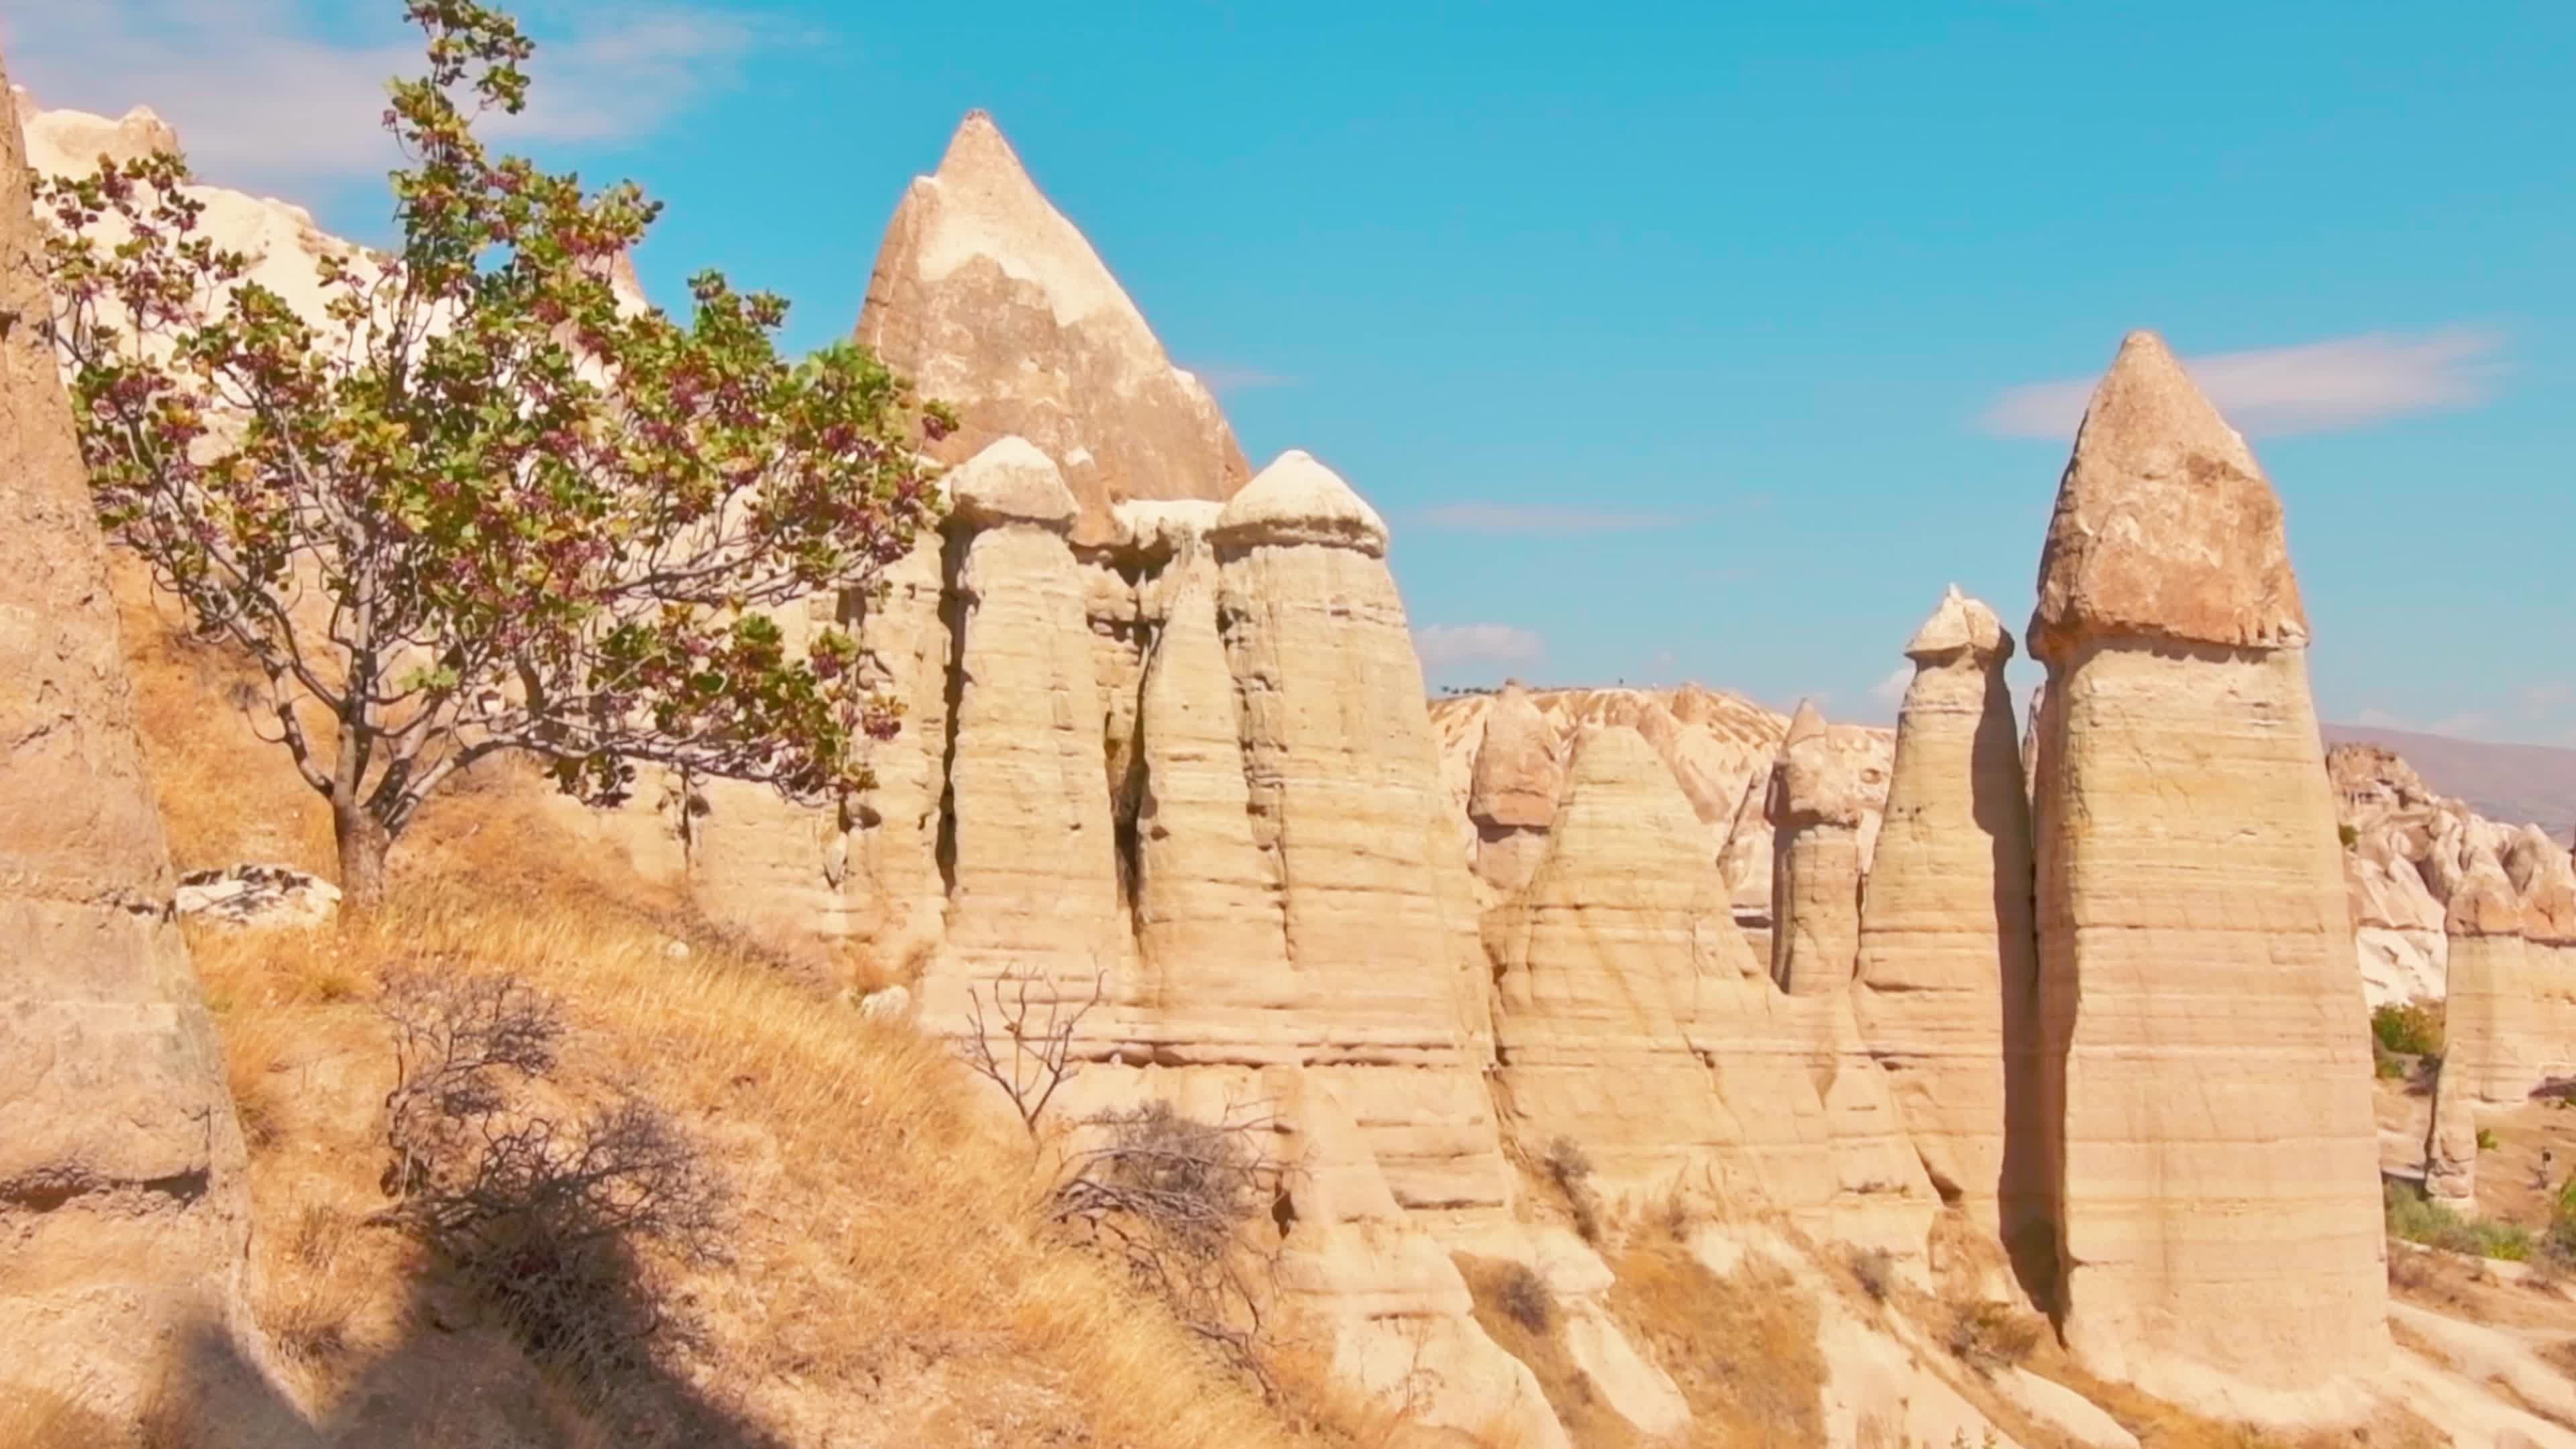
{"x": 1891, "y": 690}
{"x": 2309, "y": 387}
{"x": 262, "y": 92}
{"x": 2468, "y": 724}
{"x": 1448, "y": 646}
{"x": 2547, "y": 698}
{"x": 1477, "y": 516}
{"x": 2376, "y": 718}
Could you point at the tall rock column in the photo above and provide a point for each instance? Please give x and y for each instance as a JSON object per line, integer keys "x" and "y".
{"x": 124, "y": 1220}
{"x": 1344, "y": 779}
{"x": 2204, "y": 1036}
{"x": 1949, "y": 969}
{"x": 2488, "y": 1053}
{"x": 1815, "y": 813}
{"x": 1512, "y": 796}
{"x": 1027, "y": 844}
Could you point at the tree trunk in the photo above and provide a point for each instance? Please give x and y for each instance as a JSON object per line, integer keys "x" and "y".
{"x": 363, "y": 846}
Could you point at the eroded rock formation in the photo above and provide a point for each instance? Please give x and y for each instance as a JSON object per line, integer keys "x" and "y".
{"x": 2205, "y": 1047}
{"x": 1948, "y": 962}
{"x": 1512, "y": 796}
{"x": 124, "y": 1215}
{"x": 1814, "y": 805}
{"x": 988, "y": 298}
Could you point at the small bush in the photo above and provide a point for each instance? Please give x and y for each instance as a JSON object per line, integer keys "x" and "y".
{"x": 2410, "y": 1029}
{"x": 2349, "y": 836}
{"x": 1523, "y": 1294}
{"x": 1571, "y": 1170}
{"x": 1876, "y": 1270}
{"x": 1990, "y": 1336}
{"x": 2486, "y": 1139}
{"x": 2418, "y": 1219}
{"x": 542, "y": 1212}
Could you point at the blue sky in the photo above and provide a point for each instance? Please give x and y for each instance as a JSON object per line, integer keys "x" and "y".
{"x": 1704, "y": 343}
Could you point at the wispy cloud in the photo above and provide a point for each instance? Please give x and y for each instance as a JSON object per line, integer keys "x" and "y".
{"x": 1891, "y": 690}
{"x": 1226, "y": 377}
{"x": 1486, "y": 517}
{"x": 2375, "y": 718}
{"x": 2547, "y": 698}
{"x": 2310, "y": 387}
{"x": 264, "y": 93}
{"x": 1448, "y": 646}
{"x": 2468, "y": 724}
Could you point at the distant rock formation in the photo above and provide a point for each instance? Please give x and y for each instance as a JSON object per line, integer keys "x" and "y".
{"x": 2506, "y": 1020}
{"x": 1948, "y": 961}
{"x": 988, "y": 298}
{"x": 1512, "y": 796}
{"x": 2210, "y": 1251}
{"x": 1814, "y": 806}
{"x": 124, "y": 1211}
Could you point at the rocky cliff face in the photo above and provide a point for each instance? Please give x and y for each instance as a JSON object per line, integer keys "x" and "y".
{"x": 2204, "y": 1252}
{"x": 124, "y": 1218}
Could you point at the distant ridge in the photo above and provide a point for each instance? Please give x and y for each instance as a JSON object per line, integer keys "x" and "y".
{"x": 2510, "y": 784}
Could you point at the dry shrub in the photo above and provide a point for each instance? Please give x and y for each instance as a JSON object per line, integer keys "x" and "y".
{"x": 1875, "y": 1270}
{"x": 1567, "y": 1166}
{"x": 1988, "y": 1336}
{"x": 1516, "y": 1310}
{"x": 547, "y": 1213}
{"x": 1741, "y": 1348}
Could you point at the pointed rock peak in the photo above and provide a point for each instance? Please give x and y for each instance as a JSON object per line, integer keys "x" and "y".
{"x": 1298, "y": 500}
{"x": 978, "y": 151}
{"x": 1612, "y": 753}
{"x": 1961, "y": 625}
{"x": 1010, "y": 482}
{"x": 2165, "y": 526}
{"x": 1807, "y": 723}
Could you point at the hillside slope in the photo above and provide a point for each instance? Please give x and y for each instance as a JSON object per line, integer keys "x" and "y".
{"x": 2510, "y": 783}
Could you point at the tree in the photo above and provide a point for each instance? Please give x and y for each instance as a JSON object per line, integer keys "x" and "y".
{"x": 478, "y": 507}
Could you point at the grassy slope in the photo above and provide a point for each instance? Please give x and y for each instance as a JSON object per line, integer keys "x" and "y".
{"x": 889, "y": 1284}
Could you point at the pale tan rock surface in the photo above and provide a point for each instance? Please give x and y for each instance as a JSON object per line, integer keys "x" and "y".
{"x": 1208, "y": 900}
{"x": 988, "y": 298}
{"x": 124, "y": 1211}
{"x": 1606, "y": 965}
{"x": 2493, "y": 1047}
{"x": 1814, "y": 804}
{"x": 1344, "y": 787}
{"x": 1033, "y": 875}
{"x": 1511, "y": 799}
{"x": 2205, "y": 1042}
{"x": 2451, "y": 1145}
{"x": 1948, "y": 976}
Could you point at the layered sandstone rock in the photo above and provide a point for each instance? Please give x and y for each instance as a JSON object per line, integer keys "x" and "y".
{"x": 1948, "y": 962}
{"x": 1512, "y": 798}
{"x": 2494, "y": 1049}
{"x": 1612, "y": 966}
{"x": 2206, "y": 1050}
{"x": 1814, "y": 805}
{"x": 2451, "y": 1144}
{"x": 1344, "y": 792}
{"x": 1208, "y": 900}
{"x": 988, "y": 298}
{"x": 1032, "y": 866}
{"x": 124, "y": 1215}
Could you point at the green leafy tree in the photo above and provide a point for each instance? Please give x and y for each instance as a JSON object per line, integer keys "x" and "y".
{"x": 476, "y": 506}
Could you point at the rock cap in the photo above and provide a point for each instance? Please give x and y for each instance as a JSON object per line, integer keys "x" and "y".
{"x": 1011, "y": 481}
{"x": 1959, "y": 626}
{"x": 2484, "y": 903}
{"x": 1812, "y": 783}
{"x": 2165, "y": 526}
{"x": 1298, "y": 500}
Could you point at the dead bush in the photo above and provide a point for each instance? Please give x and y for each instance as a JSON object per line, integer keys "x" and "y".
{"x": 1570, "y": 1169}
{"x": 1038, "y": 1057}
{"x": 1875, "y": 1269}
{"x": 542, "y": 1210}
{"x": 1989, "y": 1336}
{"x": 1520, "y": 1292}
{"x": 1170, "y": 1197}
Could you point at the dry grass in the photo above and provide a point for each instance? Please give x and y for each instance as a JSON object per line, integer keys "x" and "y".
{"x": 1527, "y": 1326}
{"x": 889, "y": 1284}
{"x": 1742, "y": 1349}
